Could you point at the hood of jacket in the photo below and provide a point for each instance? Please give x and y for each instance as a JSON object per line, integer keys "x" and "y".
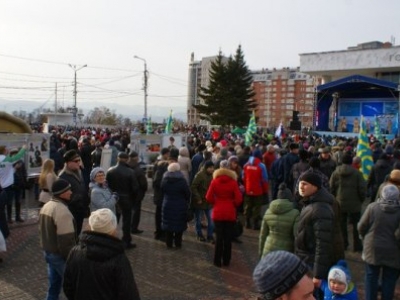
{"x": 388, "y": 206}
{"x": 99, "y": 246}
{"x": 224, "y": 173}
{"x": 280, "y": 206}
{"x": 345, "y": 170}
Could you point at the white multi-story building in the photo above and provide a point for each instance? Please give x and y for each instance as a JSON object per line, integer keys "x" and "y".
{"x": 198, "y": 77}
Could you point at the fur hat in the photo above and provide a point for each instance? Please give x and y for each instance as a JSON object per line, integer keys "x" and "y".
{"x": 277, "y": 273}
{"x": 284, "y": 192}
{"x": 174, "y": 167}
{"x": 60, "y": 186}
{"x": 103, "y": 220}
{"x": 94, "y": 172}
{"x": 341, "y": 273}
{"x": 71, "y": 155}
{"x": 312, "y": 178}
{"x": 389, "y": 195}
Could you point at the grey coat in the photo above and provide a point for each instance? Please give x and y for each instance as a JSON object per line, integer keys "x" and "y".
{"x": 379, "y": 229}
{"x": 101, "y": 197}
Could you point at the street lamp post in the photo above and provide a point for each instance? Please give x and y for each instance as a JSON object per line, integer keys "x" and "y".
{"x": 75, "y": 110}
{"x": 144, "y": 85}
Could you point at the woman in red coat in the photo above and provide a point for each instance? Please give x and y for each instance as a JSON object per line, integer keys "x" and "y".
{"x": 225, "y": 196}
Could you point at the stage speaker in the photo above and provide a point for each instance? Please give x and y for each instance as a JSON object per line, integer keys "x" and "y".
{"x": 295, "y": 116}
{"x": 295, "y": 125}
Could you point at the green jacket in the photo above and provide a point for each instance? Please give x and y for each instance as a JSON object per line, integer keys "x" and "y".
{"x": 278, "y": 227}
{"x": 349, "y": 188}
{"x": 199, "y": 188}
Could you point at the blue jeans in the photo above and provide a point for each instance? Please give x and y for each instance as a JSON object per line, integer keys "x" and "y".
{"x": 389, "y": 278}
{"x": 55, "y": 271}
{"x": 210, "y": 224}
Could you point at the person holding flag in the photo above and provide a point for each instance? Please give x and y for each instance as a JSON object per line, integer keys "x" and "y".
{"x": 149, "y": 126}
{"x": 364, "y": 151}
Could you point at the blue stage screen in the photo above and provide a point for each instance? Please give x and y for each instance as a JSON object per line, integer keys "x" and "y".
{"x": 370, "y": 109}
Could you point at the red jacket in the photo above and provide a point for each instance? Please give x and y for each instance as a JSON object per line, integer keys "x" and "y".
{"x": 224, "y": 195}
{"x": 255, "y": 177}
{"x": 269, "y": 158}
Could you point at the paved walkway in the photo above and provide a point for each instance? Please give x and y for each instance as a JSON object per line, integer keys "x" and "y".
{"x": 160, "y": 273}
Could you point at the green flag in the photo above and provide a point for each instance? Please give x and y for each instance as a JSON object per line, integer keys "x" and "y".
{"x": 251, "y": 129}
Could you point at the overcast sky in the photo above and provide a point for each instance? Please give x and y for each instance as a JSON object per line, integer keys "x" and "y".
{"x": 38, "y": 39}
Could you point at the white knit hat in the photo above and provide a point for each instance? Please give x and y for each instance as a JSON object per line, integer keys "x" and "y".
{"x": 174, "y": 167}
{"x": 103, "y": 220}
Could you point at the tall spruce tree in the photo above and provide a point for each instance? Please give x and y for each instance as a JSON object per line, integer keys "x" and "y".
{"x": 228, "y": 99}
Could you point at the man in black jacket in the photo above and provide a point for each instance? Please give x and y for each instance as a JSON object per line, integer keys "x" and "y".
{"x": 98, "y": 268}
{"x": 122, "y": 180}
{"x": 133, "y": 162}
{"x": 79, "y": 204}
{"x": 315, "y": 235}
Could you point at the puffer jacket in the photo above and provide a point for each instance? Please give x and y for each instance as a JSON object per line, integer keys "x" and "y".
{"x": 176, "y": 197}
{"x": 199, "y": 189}
{"x": 349, "y": 187}
{"x": 315, "y": 234}
{"x": 101, "y": 197}
{"x": 278, "y": 227}
{"x": 379, "y": 228}
{"x": 99, "y": 262}
{"x": 224, "y": 195}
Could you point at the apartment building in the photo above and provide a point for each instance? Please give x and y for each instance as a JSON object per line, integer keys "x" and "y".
{"x": 279, "y": 92}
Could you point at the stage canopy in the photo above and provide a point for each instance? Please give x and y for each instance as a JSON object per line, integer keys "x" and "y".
{"x": 351, "y": 87}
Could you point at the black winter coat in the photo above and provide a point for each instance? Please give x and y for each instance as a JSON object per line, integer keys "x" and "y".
{"x": 122, "y": 180}
{"x": 97, "y": 268}
{"x": 176, "y": 198}
{"x": 79, "y": 203}
{"x": 315, "y": 233}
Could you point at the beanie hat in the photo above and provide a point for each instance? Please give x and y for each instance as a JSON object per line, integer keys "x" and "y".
{"x": 164, "y": 151}
{"x": 278, "y": 272}
{"x": 174, "y": 167}
{"x": 71, "y": 155}
{"x": 293, "y": 146}
{"x": 257, "y": 153}
{"x": 389, "y": 195}
{"x": 347, "y": 159}
{"x": 95, "y": 171}
{"x": 60, "y": 186}
{"x": 233, "y": 158}
{"x": 312, "y": 178}
{"x": 224, "y": 164}
{"x": 389, "y": 150}
{"x": 103, "y": 220}
{"x": 208, "y": 164}
{"x": 284, "y": 192}
{"x": 341, "y": 273}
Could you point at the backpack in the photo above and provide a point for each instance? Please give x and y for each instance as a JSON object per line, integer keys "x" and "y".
{"x": 253, "y": 179}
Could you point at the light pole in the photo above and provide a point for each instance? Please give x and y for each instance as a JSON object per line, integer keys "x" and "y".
{"x": 75, "y": 110}
{"x": 144, "y": 85}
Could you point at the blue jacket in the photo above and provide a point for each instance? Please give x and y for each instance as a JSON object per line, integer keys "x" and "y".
{"x": 176, "y": 197}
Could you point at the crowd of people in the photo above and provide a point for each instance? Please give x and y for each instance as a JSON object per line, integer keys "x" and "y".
{"x": 312, "y": 186}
